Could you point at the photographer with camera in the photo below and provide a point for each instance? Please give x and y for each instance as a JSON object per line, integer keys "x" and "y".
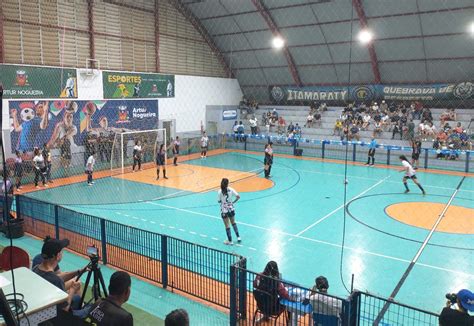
{"x": 109, "y": 311}
{"x": 464, "y": 300}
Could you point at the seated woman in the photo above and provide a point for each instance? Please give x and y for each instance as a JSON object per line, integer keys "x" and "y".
{"x": 269, "y": 281}
{"x": 309, "y": 121}
{"x": 321, "y": 302}
{"x": 377, "y": 129}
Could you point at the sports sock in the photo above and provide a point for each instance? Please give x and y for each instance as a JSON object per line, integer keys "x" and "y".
{"x": 406, "y": 186}
{"x": 421, "y": 188}
{"x": 229, "y": 235}
{"x": 175, "y": 160}
{"x": 236, "y": 229}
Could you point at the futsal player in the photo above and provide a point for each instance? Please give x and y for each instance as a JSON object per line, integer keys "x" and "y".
{"x": 40, "y": 167}
{"x": 176, "y": 145}
{"x": 137, "y": 155}
{"x": 268, "y": 160}
{"x": 371, "y": 155}
{"x": 416, "y": 153}
{"x": 204, "y": 145}
{"x": 410, "y": 173}
{"x": 18, "y": 170}
{"x": 161, "y": 162}
{"x": 225, "y": 197}
{"x": 90, "y": 168}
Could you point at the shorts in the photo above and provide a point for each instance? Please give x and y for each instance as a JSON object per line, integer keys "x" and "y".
{"x": 160, "y": 163}
{"x": 228, "y": 214}
{"x": 204, "y": 148}
{"x": 413, "y": 177}
{"x": 415, "y": 156}
{"x": 267, "y": 161}
{"x": 372, "y": 152}
{"x": 176, "y": 152}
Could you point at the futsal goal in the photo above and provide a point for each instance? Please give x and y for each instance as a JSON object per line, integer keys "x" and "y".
{"x": 124, "y": 142}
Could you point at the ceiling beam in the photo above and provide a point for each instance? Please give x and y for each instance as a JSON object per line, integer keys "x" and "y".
{"x": 2, "y": 36}
{"x": 183, "y": 10}
{"x": 373, "y": 56}
{"x": 274, "y": 29}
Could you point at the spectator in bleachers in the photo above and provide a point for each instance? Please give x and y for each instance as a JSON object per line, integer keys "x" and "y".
{"x": 397, "y": 129}
{"x": 253, "y": 125}
{"x": 385, "y": 120}
{"x": 459, "y": 129}
{"x": 366, "y": 121}
{"x": 317, "y": 118}
{"x": 290, "y": 128}
{"x": 321, "y": 302}
{"x": 460, "y": 316}
{"x": 377, "y": 129}
{"x": 410, "y": 130}
{"x": 426, "y": 115}
{"x": 448, "y": 115}
{"x": 337, "y": 128}
{"x": 309, "y": 120}
{"x": 323, "y": 107}
{"x": 297, "y": 130}
{"x": 235, "y": 129}
{"x": 275, "y": 115}
{"x": 178, "y": 317}
{"x": 240, "y": 131}
{"x": 430, "y": 131}
{"x": 108, "y": 311}
{"x": 345, "y": 131}
{"x": 394, "y": 121}
{"x": 354, "y": 133}
{"x": 281, "y": 125}
{"x": 269, "y": 281}
{"x": 383, "y": 106}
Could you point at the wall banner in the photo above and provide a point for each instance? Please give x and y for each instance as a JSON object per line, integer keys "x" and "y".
{"x": 37, "y": 82}
{"x": 430, "y": 92}
{"x": 66, "y": 123}
{"x": 137, "y": 85}
{"x": 229, "y": 115}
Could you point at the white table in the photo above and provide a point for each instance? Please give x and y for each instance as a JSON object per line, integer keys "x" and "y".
{"x": 40, "y": 295}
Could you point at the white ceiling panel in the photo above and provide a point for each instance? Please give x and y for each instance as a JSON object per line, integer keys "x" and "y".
{"x": 360, "y": 73}
{"x": 311, "y": 55}
{"x": 206, "y": 9}
{"x": 250, "y": 22}
{"x": 303, "y": 35}
{"x": 230, "y": 43}
{"x": 234, "y": 7}
{"x": 318, "y": 75}
{"x": 260, "y": 40}
{"x": 278, "y": 75}
{"x": 399, "y": 49}
{"x": 293, "y": 16}
{"x": 334, "y": 10}
{"x": 271, "y": 57}
{"x": 395, "y": 26}
{"x": 442, "y": 4}
{"x": 280, "y": 3}
{"x": 402, "y": 71}
{"x": 452, "y": 70}
{"x": 340, "y": 52}
{"x": 447, "y": 22}
{"x": 220, "y": 26}
{"x": 383, "y": 8}
{"x": 242, "y": 60}
{"x": 251, "y": 77}
{"x": 340, "y": 31}
{"x": 449, "y": 46}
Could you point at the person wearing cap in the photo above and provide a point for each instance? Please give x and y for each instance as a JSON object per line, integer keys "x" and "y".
{"x": 108, "y": 311}
{"x": 459, "y": 316}
{"x": 52, "y": 253}
{"x": 323, "y": 303}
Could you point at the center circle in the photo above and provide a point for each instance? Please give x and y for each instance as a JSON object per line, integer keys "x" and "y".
{"x": 457, "y": 219}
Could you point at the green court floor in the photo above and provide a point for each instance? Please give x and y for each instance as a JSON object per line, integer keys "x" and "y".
{"x": 299, "y": 223}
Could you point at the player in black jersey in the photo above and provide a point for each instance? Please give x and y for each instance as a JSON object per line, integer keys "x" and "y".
{"x": 161, "y": 162}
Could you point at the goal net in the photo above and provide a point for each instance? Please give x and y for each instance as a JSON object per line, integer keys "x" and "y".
{"x": 122, "y": 148}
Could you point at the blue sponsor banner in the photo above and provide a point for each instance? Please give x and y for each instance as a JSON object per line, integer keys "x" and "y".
{"x": 35, "y": 123}
{"x": 229, "y": 115}
{"x": 430, "y": 92}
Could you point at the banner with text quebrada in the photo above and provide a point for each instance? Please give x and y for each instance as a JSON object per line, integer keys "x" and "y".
{"x": 137, "y": 85}
{"x": 37, "y": 82}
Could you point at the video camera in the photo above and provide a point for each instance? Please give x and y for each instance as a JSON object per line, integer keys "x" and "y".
{"x": 93, "y": 253}
{"x": 452, "y": 297}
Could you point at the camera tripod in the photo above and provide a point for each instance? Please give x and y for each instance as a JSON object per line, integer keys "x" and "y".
{"x": 98, "y": 284}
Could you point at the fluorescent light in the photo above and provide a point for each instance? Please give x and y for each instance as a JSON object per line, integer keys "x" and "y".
{"x": 471, "y": 28}
{"x": 278, "y": 42}
{"x": 365, "y": 36}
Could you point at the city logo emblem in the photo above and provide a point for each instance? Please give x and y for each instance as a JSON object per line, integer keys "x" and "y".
{"x": 123, "y": 114}
{"x": 464, "y": 90}
{"x": 21, "y": 78}
{"x": 277, "y": 93}
{"x": 362, "y": 93}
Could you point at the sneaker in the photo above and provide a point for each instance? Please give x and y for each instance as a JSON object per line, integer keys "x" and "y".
{"x": 46, "y": 185}
{"x": 165, "y": 177}
{"x": 36, "y": 187}
{"x": 18, "y": 189}
{"x": 92, "y": 182}
{"x": 227, "y": 242}
{"x": 89, "y": 184}
{"x": 371, "y": 165}
{"x": 50, "y": 181}
{"x": 407, "y": 191}
{"x": 424, "y": 193}
{"x": 157, "y": 178}
{"x": 239, "y": 240}
{"x": 366, "y": 164}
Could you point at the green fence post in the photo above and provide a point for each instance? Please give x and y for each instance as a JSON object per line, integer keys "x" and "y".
{"x": 243, "y": 288}
{"x": 17, "y": 206}
{"x": 388, "y": 156}
{"x": 425, "y": 165}
{"x": 233, "y": 295}
{"x": 103, "y": 240}
{"x": 354, "y": 152}
{"x": 468, "y": 155}
{"x": 164, "y": 261}
{"x": 323, "y": 148}
{"x": 56, "y": 221}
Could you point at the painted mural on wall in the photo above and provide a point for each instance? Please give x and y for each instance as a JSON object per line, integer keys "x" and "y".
{"x": 432, "y": 92}
{"x": 137, "y": 85}
{"x": 64, "y": 124}
{"x": 37, "y": 82}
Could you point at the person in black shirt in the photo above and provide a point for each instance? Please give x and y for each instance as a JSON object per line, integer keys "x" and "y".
{"x": 415, "y": 155}
{"x": 178, "y": 317}
{"x": 460, "y": 316}
{"x": 109, "y": 311}
{"x": 161, "y": 162}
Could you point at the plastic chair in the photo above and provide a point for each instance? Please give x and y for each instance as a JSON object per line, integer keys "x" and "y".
{"x": 19, "y": 258}
{"x": 268, "y": 305}
{"x": 325, "y": 320}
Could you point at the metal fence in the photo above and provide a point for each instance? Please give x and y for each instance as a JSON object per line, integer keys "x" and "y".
{"x": 454, "y": 160}
{"x": 193, "y": 269}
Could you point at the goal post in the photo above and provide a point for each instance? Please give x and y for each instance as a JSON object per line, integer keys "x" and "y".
{"x": 124, "y": 142}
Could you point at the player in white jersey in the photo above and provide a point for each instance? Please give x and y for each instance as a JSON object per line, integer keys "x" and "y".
{"x": 410, "y": 173}
{"x": 225, "y": 197}
{"x": 204, "y": 145}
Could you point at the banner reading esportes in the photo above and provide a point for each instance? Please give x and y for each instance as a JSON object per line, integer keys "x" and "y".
{"x": 37, "y": 82}
{"x": 430, "y": 92}
{"x": 137, "y": 85}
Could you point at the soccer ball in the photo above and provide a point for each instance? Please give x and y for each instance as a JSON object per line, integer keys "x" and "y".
{"x": 91, "y": 108}
{"x": 27, "y": 114}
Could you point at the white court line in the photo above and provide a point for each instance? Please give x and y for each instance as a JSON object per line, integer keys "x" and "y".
{"x": 312, "y": 240}
{"x": 334, "y": 211}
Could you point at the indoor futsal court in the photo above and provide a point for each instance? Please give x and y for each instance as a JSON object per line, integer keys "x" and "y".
{"x": 296, "y": 218}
